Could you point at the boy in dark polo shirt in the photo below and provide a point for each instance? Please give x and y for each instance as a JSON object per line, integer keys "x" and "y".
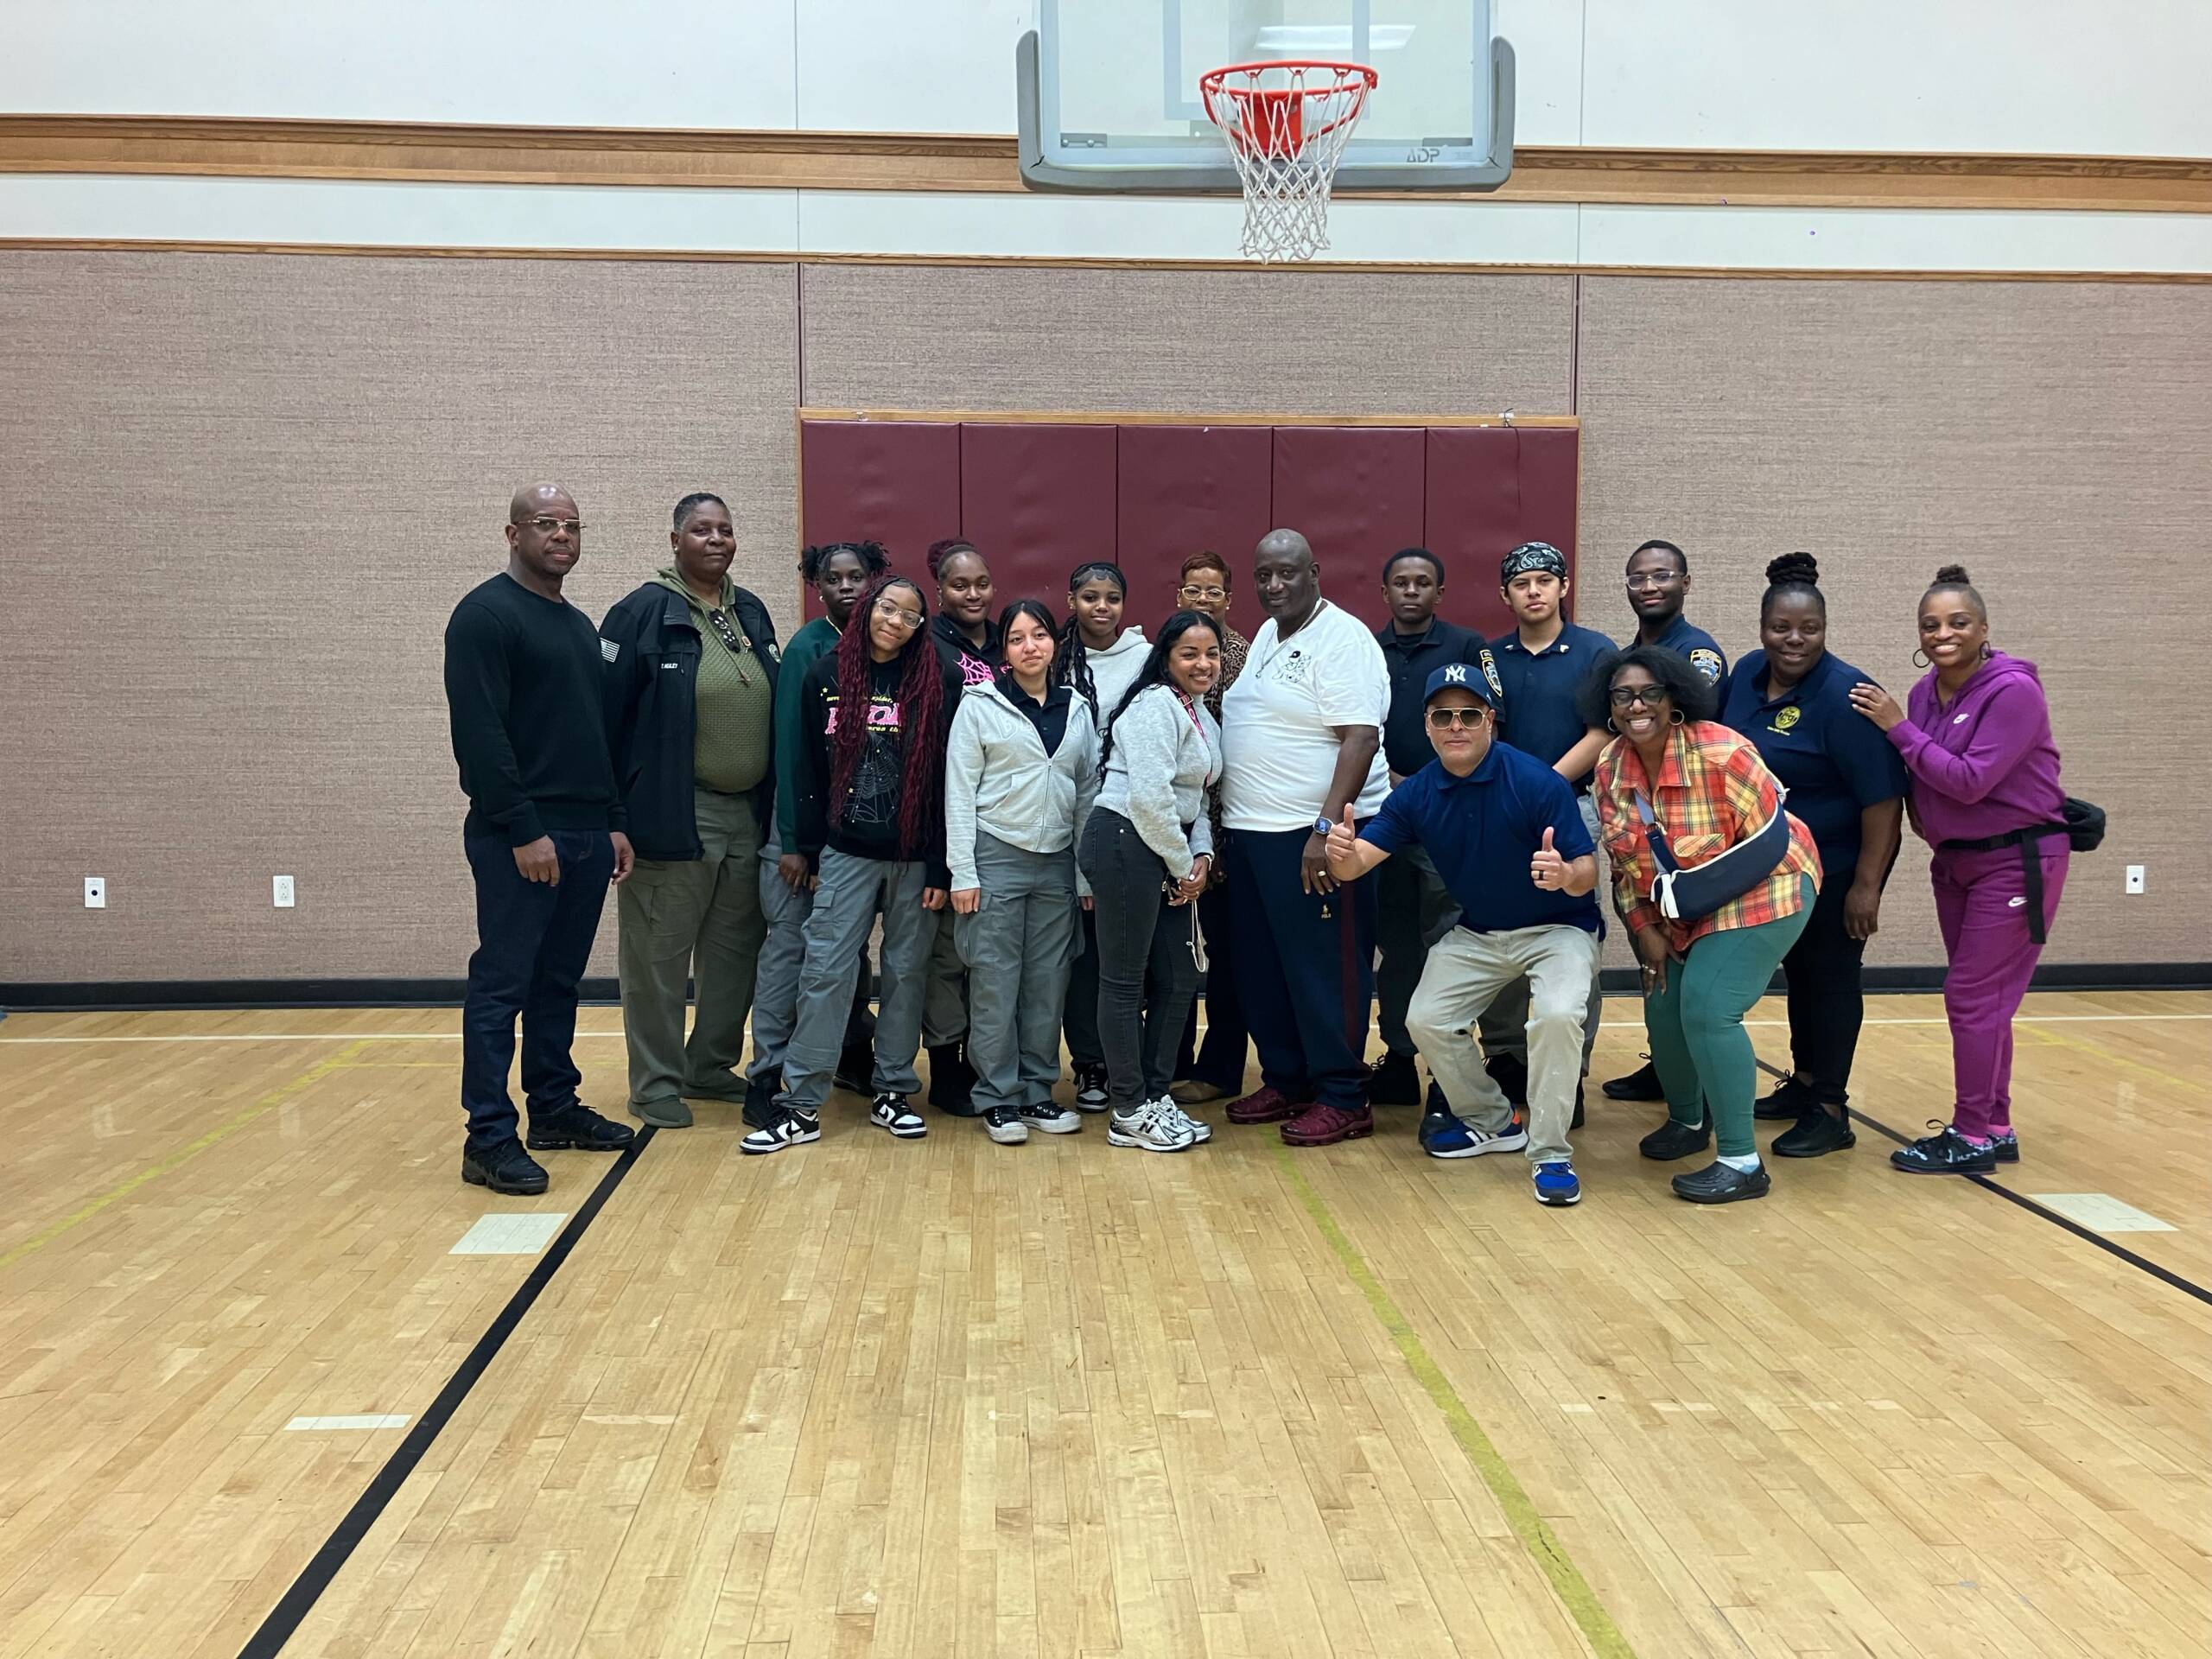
{"x": 1506, "y": 835}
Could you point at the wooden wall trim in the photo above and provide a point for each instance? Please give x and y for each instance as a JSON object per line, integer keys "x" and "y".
{"x": 213, "y": 147}
{"x": 1154, "y": 418}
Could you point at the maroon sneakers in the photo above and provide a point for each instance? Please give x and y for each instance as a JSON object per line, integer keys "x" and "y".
{"x": 1324, "y": 1125}
{"x": 1265, "y": 1106}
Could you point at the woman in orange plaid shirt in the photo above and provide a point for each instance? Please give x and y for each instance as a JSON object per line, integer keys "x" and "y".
{"x": 1707, "y": 792}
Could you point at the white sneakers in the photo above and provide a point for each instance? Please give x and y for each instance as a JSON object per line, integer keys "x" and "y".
{"x": 1156, "y": 1126}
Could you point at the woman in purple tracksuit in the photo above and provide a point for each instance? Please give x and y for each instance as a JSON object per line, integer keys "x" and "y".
{"x": 1975, "y": 736}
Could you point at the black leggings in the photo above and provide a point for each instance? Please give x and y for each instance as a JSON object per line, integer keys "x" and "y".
{"x": 1140, "y": 937}
{"x": 1826, "y": 1005}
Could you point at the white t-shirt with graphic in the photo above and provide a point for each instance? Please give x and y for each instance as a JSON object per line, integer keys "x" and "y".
{"x": 1278, "y": 751}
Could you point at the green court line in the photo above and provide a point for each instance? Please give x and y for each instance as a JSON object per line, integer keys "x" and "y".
{"x": 1538, "y": 1539}
{"x": 184, "y": 1154}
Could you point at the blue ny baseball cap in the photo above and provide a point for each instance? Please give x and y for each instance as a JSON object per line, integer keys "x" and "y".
{"x": 1458, "y": 676}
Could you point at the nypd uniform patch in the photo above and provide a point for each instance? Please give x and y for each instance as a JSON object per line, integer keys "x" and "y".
{"x": 1489, "y": 673}
{"x": 1706, "y": 661}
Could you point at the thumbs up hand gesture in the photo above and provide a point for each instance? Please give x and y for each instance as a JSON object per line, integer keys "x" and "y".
{"x": 1343, "y": 848}
{"x": 1546, "y": 868}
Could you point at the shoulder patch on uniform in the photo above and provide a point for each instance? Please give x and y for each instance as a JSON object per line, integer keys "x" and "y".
{"x": 608, "y": 651}
{"x": 1706, "y": 661}
{"x": 1490, "y": 671}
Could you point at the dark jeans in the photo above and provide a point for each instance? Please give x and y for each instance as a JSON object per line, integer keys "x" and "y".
{"x": 1079, "y": 1020}
{"x": 1220, "y": 1060}
{"x": 532, "y": 942}
{"x": 1304, "y": 964}
{"x": 1140, "y": 934}
{"x": 1826, "y": 1005}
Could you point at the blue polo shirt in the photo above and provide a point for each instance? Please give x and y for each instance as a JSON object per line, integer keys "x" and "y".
{"x": 1481, "y": 831}
{"x": 1832, "y": 759}
{"x": 1411, "y": 661}
{"x": 1541, "y": 687}
{"x": 1701, "y": 647}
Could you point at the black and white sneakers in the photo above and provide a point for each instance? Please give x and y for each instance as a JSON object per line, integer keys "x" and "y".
{"x": 892, "y": 1112}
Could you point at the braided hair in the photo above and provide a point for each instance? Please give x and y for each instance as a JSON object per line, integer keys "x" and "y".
{"x": 1154, "y": 671}
{"x": 1793, "y": 573}
{"x": 1071, "y": 662}
{"x": 922, "y": 717}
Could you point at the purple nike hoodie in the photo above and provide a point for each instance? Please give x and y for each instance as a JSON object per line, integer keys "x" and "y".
{"x": 1986, "y": 764}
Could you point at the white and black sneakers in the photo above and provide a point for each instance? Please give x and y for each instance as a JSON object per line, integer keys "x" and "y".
{"x": 892, "y": 1112}
{"x": 1153, "y": 1126}
{"x": 785, "y": 1127}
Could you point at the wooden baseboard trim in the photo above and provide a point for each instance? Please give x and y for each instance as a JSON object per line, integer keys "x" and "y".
{"x": 216, "y": 147}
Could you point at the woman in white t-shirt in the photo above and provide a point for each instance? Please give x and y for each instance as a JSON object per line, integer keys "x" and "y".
{"x": 1301, "y": 740}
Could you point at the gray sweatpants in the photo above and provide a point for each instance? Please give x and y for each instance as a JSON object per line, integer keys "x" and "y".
{"x": 783, "y": 954}
{"x": 837, "y": 926}
{"x": 1018, "y": 945}
{"x": 1504, "y": 1023}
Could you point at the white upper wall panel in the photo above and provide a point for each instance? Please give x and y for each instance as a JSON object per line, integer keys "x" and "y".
{"x": 589, "y": 63}
{"x": 912, "y": 65}
{"x": 2046, "y": 77}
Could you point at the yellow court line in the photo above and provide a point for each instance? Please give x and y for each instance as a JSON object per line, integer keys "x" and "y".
{"x": 2052, "y": 1039}
{"x": 184, "y": 1154}
{"x": 1538, "y": 1539}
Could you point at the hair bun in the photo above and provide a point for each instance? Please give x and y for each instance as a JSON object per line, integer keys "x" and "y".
{"x": 1794, "y": 567}
{"x": 1949, "y": 575}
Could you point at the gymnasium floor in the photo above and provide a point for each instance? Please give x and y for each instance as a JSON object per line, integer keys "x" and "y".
{"x": 951, "y": 1398}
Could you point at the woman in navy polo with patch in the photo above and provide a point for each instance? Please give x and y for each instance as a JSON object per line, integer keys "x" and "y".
{"x": 1791, "y": 698}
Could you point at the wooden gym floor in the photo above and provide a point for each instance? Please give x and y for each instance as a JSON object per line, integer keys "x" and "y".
{"x": 950, "y": 1398}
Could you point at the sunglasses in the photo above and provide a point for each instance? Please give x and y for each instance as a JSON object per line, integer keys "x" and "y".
{"x": 1443, "y": 720}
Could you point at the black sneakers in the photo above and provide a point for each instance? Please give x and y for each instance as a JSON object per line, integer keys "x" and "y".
{"x": 576, "y": 1127}
{"x": 1789, "y": 1100}
{"x": 1090, "y": 1088}
{"x": 952, "y": 1081}
{"x": 1946, "y": 1152}
{"x": 1643, "y": 1083}
{"x": 1717, "y": 1183}
{"x": 856, "y": 1072}
{"x": 760, "y": 1103}
{"x": 504, "y": 1167}
{"x": 1818, "y": 1130}
{"x": 1672, "y": 1140}
{"x": 1394, "y": 1082}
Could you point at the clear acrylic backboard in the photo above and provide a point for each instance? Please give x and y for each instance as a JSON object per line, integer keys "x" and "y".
{"x": 1109, "y": 89}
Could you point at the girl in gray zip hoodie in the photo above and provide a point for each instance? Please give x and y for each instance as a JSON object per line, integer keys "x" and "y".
{"x": 1021, "y": 769}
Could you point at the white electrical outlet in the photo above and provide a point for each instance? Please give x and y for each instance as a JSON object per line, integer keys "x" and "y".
{"x": 95, "y": 893}
{"x": 2135, "y": 878}
{"x": 281, "y": 891}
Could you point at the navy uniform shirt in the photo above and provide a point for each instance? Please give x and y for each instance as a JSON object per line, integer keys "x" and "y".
{"x": 1411, "y": 661}
{"x": 1701, "y": 647}
{"x": 1832, "y": 759}
{"x": 1540, "y": 714}
{"x": 1481, "y": 831}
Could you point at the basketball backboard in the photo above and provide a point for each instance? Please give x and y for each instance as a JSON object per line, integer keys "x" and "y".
{"x": 1109, "y": 90}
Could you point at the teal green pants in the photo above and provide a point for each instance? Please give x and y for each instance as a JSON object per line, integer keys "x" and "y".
{"x": 1696, "y": 1024}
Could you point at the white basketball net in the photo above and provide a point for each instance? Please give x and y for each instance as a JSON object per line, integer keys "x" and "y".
{"x": 1286, "y": 125}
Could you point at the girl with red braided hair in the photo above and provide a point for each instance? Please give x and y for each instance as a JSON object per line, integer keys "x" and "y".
{"x": 871, "y": 825}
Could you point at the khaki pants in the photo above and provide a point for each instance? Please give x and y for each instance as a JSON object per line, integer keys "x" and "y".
{"x": 1466, "y": 973}
{"x": 699, "y": 921}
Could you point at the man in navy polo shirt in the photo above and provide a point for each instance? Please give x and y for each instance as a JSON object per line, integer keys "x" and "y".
{"x": 1411, "y": 904}
{"x": 1658, "y": 587}
{"x": 1505, "y": 833}
{"x": 1542, "y": 664}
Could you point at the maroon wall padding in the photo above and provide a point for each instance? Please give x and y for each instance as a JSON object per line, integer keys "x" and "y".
{"x": 897, "y": 482}
{"x": 1038, "y": 500}
{"x": 1357, "y": 494}
{"x": 1489, "y": 489}
{"x": 1188, "y": 489}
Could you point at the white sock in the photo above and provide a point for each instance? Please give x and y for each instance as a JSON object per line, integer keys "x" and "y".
{"x": 1747, "y": 1165}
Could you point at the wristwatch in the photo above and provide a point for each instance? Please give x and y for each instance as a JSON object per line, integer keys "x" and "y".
{"x": 1323, "y": 825}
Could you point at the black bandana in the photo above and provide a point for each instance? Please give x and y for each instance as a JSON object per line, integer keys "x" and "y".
{"x": 1531, "y": 555}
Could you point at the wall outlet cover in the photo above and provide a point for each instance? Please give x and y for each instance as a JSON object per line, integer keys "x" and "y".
{"x": 95, "y": 893}
{"x": 281, "y": 891}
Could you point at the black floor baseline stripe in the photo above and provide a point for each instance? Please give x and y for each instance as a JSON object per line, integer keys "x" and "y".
{"x": 285, "y": 1617}
{"x": 2165, "y": 1274}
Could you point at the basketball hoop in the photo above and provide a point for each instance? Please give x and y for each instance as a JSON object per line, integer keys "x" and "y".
{"x": 1286, "y": 123}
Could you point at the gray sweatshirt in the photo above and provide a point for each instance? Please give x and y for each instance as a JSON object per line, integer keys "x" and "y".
{"x": 998, "y": 778}
{"x": 1165, "y": 752}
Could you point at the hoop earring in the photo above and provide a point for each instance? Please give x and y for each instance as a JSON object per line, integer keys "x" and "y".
{"x": 1677, "y": 718}
{"x": 1985, "y": 652}
{"x": 1919, "y": 658}
{"x": 1610, "y": 727}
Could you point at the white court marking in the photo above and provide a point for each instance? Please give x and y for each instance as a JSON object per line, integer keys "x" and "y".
{"x": 454, "y": 1036}
{"x": 379, "y": 1421}
{"x": 2101, "y": 1212}
{"x": 511, "y": 1235}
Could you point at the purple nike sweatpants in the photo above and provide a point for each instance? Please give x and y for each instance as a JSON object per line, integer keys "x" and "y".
{"x": 1981, "y": 905}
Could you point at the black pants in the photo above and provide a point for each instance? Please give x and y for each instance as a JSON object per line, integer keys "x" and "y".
{"x": 1079, "y": 1020}
{"x": 1304, "y": 964}
{"x": 1140, "y": 936}
{"x": 532, "y": 942}
{"x": 1826, "y": 1005}
{"x": 1220, "y": 1060}
{"x": 1412, "y": 910}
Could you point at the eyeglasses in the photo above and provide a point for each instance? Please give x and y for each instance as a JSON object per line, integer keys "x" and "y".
{"x": 1650, "y": 696}
{"x": 1443, "y": 720}
{"x": 1655, "y": 579}
{"x": 1189, "y": 592}
{"x": 545, "y": 525}
{"x": 892, "y": 611}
